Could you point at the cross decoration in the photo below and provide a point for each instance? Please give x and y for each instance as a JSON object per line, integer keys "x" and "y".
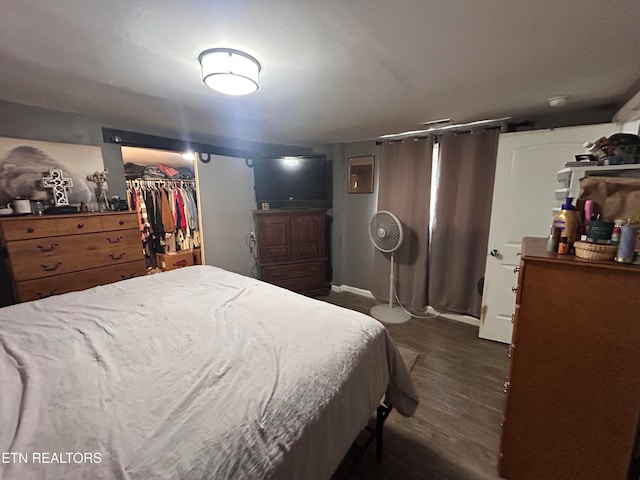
{"x": 59, "y": 184}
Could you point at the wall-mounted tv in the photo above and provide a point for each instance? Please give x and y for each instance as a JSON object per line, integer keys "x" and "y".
{"x": 292, "y": 181}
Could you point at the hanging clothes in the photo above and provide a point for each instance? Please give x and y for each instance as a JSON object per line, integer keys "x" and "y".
{"x": 167, "y": 215}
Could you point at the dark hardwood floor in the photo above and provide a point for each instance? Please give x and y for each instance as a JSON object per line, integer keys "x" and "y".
{"x": 455, "y": 432}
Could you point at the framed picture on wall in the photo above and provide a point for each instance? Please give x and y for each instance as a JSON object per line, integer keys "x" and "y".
{"x": 361, "y": 174}
{"x": 23, "y": 164}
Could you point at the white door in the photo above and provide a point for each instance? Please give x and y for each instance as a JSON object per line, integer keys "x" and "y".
{"x": 226, "y": 202}
{"x": 523, "y": 202}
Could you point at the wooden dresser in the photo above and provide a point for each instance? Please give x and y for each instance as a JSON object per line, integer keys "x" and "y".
{"x": 53, "y": 254}
{"x": 291, "y": 249}
{"x": 573, "y": 389}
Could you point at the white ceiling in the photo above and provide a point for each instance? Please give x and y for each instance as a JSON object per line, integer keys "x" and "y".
{"x": 332, "y": 71}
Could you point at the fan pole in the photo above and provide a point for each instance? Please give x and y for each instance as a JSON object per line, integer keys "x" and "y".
{"x": 391, "y": 284}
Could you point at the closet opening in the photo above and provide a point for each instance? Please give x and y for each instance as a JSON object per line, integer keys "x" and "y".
{"x": 162, "y": 189}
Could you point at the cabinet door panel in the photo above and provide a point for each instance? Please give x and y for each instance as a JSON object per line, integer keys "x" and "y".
{"x": 308, "y": 236}
{"x": 274, "y": 234}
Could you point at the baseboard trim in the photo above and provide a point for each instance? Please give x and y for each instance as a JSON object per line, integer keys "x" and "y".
{"x": 366, "y": 293}
{"x": 348, "y": 288}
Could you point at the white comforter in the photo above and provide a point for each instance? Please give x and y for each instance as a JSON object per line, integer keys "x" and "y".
{"x": 191, "y": 374}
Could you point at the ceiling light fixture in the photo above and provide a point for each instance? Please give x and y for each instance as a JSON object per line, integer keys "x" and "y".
{"x": 229, "y": 71}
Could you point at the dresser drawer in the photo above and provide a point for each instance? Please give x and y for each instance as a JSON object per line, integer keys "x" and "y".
{"x": 303, "y": 283}
{"x": 22, "y": 250}
{"x": 58, "y": 264}
{"x": 38, "y": 227}
{"x": 282, "y": 272}
{"x": 70, "y": 282}
{"x": 120, "y": 221}
{"x": 30, "y": 227}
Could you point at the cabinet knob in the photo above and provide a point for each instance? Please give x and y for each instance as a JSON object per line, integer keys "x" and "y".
{"x": 516, "y": 269}
{"x": 495, "y": 253}
{"x": 514, "y": 289}
{"x": 121, "y": 222}
{"x": 81, "y": 225}
{"x": 30, "y": 230}
{"x": 506, "y": 386}
{"x": 513, "y": 317}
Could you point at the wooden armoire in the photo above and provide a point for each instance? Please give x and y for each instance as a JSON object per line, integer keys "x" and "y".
{"x": 292, "y": 250}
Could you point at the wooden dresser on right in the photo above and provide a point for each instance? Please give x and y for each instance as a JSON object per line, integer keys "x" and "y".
{"x": 572, "y": 399}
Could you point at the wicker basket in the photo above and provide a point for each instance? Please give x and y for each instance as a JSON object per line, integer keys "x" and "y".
{"x": 594, "y": 251}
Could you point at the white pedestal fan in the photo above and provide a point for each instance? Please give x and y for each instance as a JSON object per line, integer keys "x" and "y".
{"x": 386, "y": 234}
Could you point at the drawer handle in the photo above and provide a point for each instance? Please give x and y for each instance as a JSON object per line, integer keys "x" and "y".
{"x": 506, "y": 386}
{"x": 126, "y": 277}
{"x": 121, "y": 222}
{"x": 81, "y": 225}
{"x": 48, "y": 294}
{"x": 116, "y": 257}
{"x": 514, "y": 289}
{"x": 47, "y": 268}
{"x": 513, "y": 317}
{"x": 516, "y": 269}
{"x": 30, "y": 230}
{"x": 48, "y": 249}
{"x": 114, "y": 240}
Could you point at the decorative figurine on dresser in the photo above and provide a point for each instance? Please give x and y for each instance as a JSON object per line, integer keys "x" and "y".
{"x": 102, "y": 188}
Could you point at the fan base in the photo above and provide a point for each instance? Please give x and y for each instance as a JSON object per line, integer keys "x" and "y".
{"x": 387, "y": 314}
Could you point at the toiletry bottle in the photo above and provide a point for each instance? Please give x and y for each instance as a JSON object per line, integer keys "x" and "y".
{"x": 588, "y": 212}
{"x": 563, "y": 246}
{"x": 553, "y": 240}
{"x": 568, "y": 221}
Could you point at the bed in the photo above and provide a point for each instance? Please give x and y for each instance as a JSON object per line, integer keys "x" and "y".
{"x": 190, "y": 374}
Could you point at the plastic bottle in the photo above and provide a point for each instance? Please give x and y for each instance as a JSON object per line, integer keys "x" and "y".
{"x": 568, "y": 221}
{"x": 563, "y": 246}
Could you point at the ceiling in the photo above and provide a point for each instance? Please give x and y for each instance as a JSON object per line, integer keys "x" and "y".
{"x": 332, "y": 71}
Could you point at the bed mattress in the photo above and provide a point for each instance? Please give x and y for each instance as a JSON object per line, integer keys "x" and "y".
{"x": 190, "y": 374}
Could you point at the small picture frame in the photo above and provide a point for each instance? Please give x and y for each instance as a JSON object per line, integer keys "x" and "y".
{"x": 361, "y": 170}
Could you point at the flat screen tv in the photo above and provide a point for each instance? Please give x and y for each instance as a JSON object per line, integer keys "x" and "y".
{"x": 291, "y": 181}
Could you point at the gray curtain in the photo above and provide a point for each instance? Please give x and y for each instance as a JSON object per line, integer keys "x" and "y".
{"x": 404, "y": 189}
{"x": 460, "y": 227}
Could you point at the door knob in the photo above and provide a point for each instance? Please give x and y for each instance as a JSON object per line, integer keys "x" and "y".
{"x": 495, "y": 253}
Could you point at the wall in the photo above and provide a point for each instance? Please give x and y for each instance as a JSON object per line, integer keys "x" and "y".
{"x": 225, "y": 187}
{"x": 352, "y": 250}
{"x": 21, "y": 121}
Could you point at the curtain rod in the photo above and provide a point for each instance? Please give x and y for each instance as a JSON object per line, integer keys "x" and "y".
{"x": 437, "y": 136}
{"x": 435, "y": 131}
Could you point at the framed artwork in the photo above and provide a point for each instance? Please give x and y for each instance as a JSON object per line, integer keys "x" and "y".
{"x": 24, "y": 163}
{"x": 361, "y": 174}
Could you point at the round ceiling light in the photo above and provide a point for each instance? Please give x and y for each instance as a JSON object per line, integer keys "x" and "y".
{"x": 229, "y": 71}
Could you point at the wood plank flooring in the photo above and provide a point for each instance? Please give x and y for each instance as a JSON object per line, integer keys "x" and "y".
{"x": 455, "y": 432}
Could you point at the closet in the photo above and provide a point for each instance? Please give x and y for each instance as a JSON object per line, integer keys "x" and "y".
{"x": 161, "y": 189}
